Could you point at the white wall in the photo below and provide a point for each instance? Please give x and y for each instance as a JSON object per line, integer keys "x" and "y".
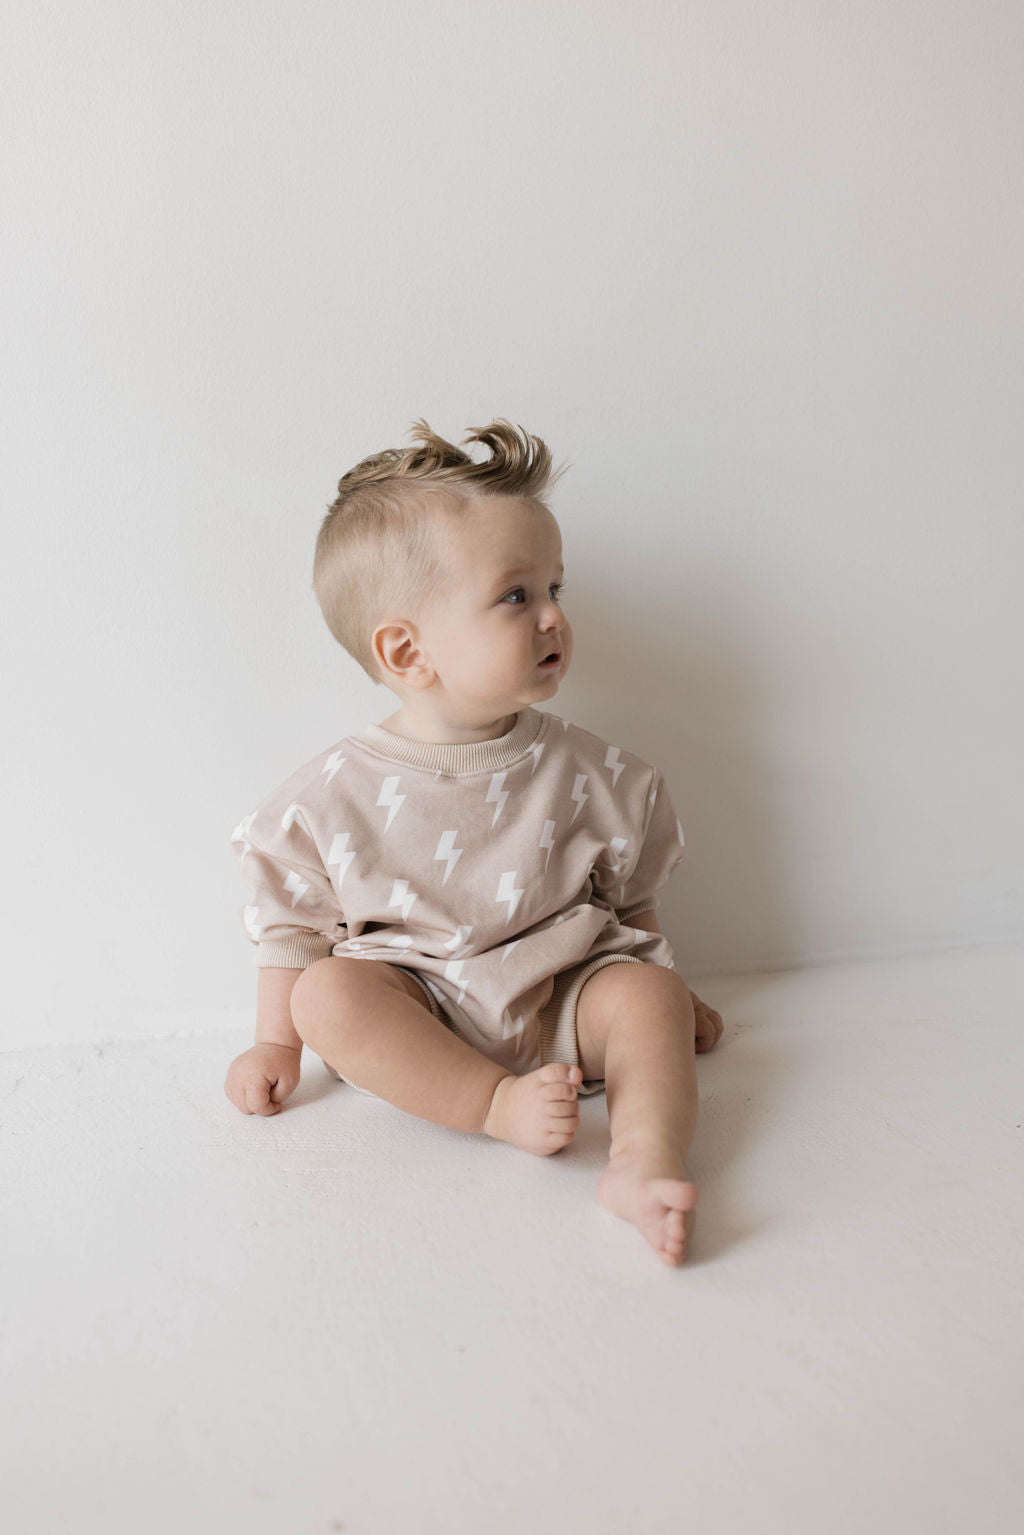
{"x": 754, "y": 269}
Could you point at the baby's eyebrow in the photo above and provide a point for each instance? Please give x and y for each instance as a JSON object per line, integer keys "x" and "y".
{"x": 512, "y": 575}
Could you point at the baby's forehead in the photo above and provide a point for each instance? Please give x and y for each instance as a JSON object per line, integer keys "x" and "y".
{"x": 502, "y": 533}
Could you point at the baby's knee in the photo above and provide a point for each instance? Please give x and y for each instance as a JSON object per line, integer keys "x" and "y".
{"x": 629, "y": 989}
{"x": 332, "y": 994}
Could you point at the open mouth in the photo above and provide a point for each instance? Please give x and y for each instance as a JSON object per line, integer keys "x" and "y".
{"x": 553, "y": 659}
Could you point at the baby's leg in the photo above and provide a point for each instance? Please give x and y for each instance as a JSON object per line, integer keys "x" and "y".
{"x": 636, "y": 1028}
{"x": 372, "y": 1024}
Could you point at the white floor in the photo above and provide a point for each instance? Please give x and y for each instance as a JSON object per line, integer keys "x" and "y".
{"x": 345, "y": 1319}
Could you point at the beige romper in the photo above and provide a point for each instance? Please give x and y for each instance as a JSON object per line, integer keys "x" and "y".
{"x": 499, "y": 874}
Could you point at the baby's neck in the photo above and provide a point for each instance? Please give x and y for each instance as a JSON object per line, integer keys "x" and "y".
{"x": 441, "y": 733}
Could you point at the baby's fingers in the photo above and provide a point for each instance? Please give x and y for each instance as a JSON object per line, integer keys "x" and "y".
{"x": 709, "y": 1027}
{"x": 258, "y": 1092}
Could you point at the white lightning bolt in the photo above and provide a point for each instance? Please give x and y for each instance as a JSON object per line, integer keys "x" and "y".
{"x": 512, "y": 1028}
{"x": 536, "y": 752}
{"x": 340, "y": 854}
{"x": 508, "y": 892}
{"x": 548, "y": 841}
{"x": 578, "y": 794}
{"x": 446, "y": 849}
{"x": 508, "y": 947}
{"x": 332, "y": 765}
{"x": 252, "y": 922}
{"x": 400, "y": 896}
{"x": 389, "y": 795}
{"x": 495, "y": 793}
{"x": 459, "y": 941}
{"x": 241, "y": 833}
{"x": 296, "y": 886}
{"x": 292, "y": 814}
{"x": 402, "y": 942}
{"x": 617, "y": 845}
{"x": 612, "y": 761}
{"x": 453, "y": 972}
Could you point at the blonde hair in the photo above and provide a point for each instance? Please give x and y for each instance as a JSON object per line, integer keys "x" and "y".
{"x": 380, "y": 547}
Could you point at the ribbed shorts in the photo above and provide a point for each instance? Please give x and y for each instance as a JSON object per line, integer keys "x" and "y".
{"x": 558, "y": 1038}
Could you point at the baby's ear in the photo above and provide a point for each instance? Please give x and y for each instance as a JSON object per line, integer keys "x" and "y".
{"x": 399, "y": 656}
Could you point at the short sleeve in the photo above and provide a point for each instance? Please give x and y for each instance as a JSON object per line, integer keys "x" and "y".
{"x": 661, "y": 848}
{"x": 292, "y": 915}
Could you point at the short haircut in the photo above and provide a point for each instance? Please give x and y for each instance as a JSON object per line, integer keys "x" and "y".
{"x": 380, "y": 548}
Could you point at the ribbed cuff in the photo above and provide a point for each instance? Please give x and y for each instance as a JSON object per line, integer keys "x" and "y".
{"x": 632, "y": 911}
{"x": 295, "y": 953}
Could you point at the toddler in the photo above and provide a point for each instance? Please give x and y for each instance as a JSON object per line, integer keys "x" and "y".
{"x": 455, "y": 908}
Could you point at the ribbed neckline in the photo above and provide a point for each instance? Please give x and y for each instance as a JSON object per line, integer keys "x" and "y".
{"x": 457, "y": 759}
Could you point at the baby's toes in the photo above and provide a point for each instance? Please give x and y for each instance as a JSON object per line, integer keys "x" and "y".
{"x": 675, "y": 1233}
{"x": 556, "y": 1139}
{"x": 558, "y": 1092}
{"x": 558, "y": 1073}
{"x": 562, "y": 1120}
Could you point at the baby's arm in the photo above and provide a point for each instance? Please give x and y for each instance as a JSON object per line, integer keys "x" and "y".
{"x": 259, "y": 1081}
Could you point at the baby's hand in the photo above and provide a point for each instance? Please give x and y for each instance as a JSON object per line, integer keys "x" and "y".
{"x": 709, "y": 1025}
{"x": 259, "y": 1081}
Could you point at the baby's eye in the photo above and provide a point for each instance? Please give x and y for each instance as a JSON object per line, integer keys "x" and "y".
{"x": 558, "y": 589}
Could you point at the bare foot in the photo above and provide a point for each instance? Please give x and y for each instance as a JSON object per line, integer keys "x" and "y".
{"x": 649, "y": 1187}
{"x": 538, "y": 1112}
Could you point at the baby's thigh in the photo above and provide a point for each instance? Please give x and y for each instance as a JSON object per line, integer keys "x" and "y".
{"x": 341, "y": 996}
{"x": 339, "y": 986}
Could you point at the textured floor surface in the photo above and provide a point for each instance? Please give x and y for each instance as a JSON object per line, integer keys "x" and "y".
{"x": 345, "y": 1319}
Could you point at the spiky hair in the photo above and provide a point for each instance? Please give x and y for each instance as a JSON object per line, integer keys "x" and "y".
{"x": 379, "y": 546}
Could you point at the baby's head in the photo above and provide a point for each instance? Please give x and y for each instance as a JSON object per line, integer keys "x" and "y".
{"x": 440, "y": 575}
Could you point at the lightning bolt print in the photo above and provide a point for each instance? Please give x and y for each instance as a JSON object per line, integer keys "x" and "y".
{"x": 400, "y": 896}
{"x": 453, "y": 972}
{"x": 612, "y": 761}
{"x": 340, "y": 854}
{"x": 507, "y": 892}
{"x": 241, "y": 833}
{"x": 292, "y": 814}
{"x": 618, "y": 846}
{"x": 296, "y": 887}
{"x": 512, "y": 1029}
{"x": 458, "y": 944}
{"x": 446, "y": 849}
{"x": 332, "y": 765}
{"x": 547, "y": 840}
{"x": 578, "y": 794}
{"x": 389, "y": 795}
{"x": 495, "y": 792}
